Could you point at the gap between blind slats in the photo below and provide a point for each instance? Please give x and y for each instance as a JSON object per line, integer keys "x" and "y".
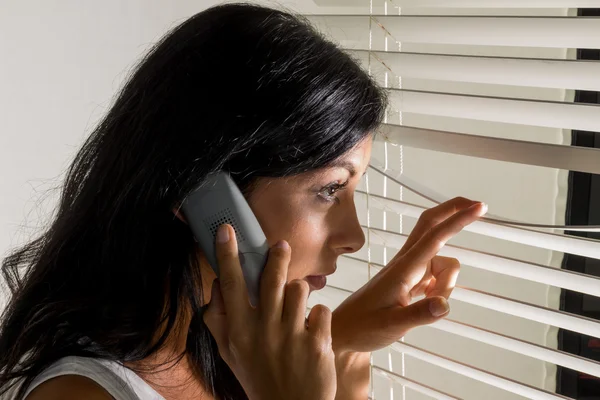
{"x": 502, "y": 265}
{"x": 476, "y": 3}
{"x": 512, "y": 344}
{"x": 571, "y": 158}
{"x": 545, "y": 240}
{"x": 544, "y": 73}
{"x": 416, "y": 386}
{"x": 551, "y": 114}
{"x": 553, "y": 32}
{"x": 476, "y": 373}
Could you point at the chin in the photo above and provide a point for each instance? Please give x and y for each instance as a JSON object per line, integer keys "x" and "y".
{"x": 316, "y": 282}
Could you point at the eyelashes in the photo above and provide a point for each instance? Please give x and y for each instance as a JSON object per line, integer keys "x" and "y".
{"x": 328, "y": 193}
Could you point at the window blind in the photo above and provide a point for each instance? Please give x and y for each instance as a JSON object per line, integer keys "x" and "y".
{"x": 481, "y": 105}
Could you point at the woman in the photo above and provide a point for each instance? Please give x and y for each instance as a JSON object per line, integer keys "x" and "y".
{"x": 111, "y": 301}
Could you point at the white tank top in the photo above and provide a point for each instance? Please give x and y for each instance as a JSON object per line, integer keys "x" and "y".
{"x": 120, "y": 382}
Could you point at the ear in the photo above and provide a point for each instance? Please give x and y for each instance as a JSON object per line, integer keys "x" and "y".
{"x": 177, "y": 212}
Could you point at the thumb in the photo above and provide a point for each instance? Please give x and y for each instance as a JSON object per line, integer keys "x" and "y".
{"x": 422, "y": 312}
{"x": 215, "y": 316}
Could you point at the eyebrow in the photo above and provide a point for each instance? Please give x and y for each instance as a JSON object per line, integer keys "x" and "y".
{"x": 346, "y": 165}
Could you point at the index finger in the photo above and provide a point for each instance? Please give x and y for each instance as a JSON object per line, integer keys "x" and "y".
{"x": 431, "y": 242}
{"x": 232, "y": 282}
{"x": 434, "y": 216}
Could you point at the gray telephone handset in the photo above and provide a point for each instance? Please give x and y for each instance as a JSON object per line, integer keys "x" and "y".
{"x": 219, "y": 201}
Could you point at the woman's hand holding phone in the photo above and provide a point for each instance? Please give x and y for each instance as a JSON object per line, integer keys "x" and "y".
{"x": 274, "y": 351}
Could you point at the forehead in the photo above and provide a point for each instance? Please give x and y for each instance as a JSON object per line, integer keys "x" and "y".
{"x": 357, "y": 159}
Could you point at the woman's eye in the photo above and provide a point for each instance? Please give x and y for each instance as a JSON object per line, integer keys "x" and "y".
{"x": 328, "y": 192}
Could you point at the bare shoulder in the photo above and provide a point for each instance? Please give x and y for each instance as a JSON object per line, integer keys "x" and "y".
{"x": 69, "y": 387}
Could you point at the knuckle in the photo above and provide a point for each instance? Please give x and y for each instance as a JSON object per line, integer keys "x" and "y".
{"x": 459, "y": 202}
{"x": 227, "y": 255}
{"x": 227, "y": 283}
{"x": 404, "y": 286}
{"x": 459, "y": 199}
{"x": 319, "y": 346}
{"x": 275, "y": 277}
{"x": 274, "y": 282}
{"x": 454, "y": 263}
{"x": 430, "y": 217}
{"x": 427, "y": 215}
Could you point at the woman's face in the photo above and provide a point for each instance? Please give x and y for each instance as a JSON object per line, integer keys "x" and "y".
{"x": 315, "y": 213}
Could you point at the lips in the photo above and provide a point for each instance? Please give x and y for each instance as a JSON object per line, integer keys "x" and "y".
{"x": 318, "y": 282}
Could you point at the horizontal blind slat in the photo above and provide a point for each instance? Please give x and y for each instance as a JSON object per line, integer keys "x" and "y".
{"x": 519, "y": 346}
{"x": 557, "y": 74}
{"x": 474, "y": 3}
{"x": 571, "y": 158}
{"x": 528, "y": 311}
{"x": 476, "y": 373}
{"x": 553, "y": 32}
{"x": 496, "y": 109}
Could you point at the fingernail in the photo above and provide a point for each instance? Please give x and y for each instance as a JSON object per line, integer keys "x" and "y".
{"x": 483, "y": 208}
{"x": 282, "y": 244}
{"x": 439, "y": 306}
{"x": 223, "y": 234}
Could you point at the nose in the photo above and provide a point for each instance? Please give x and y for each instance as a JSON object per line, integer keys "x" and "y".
{"x": 348, "y": 236}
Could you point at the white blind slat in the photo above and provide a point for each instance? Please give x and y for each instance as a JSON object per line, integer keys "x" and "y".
{"x": 502, "y": 265}
{"x": 474, "y": 3}
{"x": 557, "y": 74}
{"x": 582, "y": 159}
{"x": 476, "y": 373}
{"x": 531, "y": 312}
{"x": 519, "y": 346}
{"x": 554, "y": 32}
{"x": 563, "y": 243}
{"x": 516, "y": 111}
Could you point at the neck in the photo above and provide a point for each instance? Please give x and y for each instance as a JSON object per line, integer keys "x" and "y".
{"x": 172, "y": 376}
{"x": 169, "y": 371}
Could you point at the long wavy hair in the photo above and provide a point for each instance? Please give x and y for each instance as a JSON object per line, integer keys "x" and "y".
{"x": 248, "y": 89}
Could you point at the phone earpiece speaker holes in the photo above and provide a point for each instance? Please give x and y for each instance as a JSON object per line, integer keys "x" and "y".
{"x": 224, "y": 216}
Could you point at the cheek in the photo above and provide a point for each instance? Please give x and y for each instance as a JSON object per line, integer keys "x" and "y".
{"x": 307, "y": 239}
{"x": 301, "y": 226}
